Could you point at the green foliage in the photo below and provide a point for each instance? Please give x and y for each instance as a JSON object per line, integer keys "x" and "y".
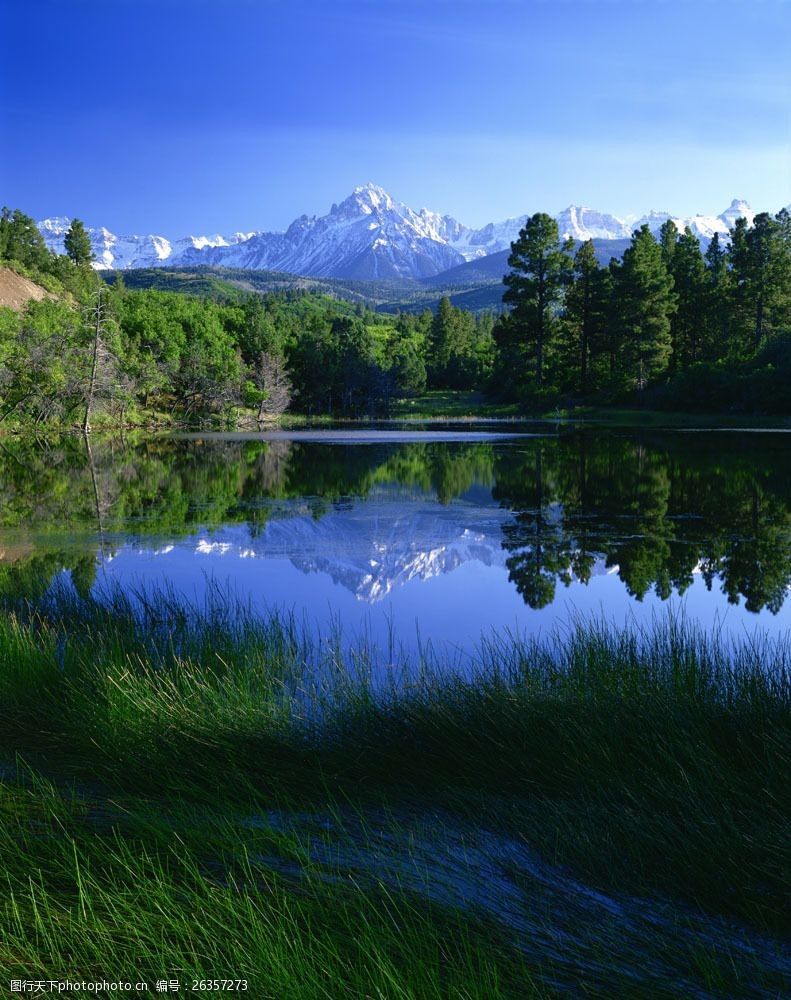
{"x": 688, "y": 331}
{"x": 761, "y": 384}
{"x": 192, "y": 352}
{"x": 540, "y": 269}
{"x": 21, "y": 241}
{"x": 647, "y": 766}
{"x": 644, "y": 304}
{"x": 657, "y": 314}
{"x": 77, "y": 244}
{"x": 585, "y": 318}
{"x": 460, "y": 348}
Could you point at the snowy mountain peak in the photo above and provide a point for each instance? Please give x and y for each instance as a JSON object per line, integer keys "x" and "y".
{"x": 370, "y": 198}
{"x": 369, "y": 235}
{"x": 587, "y": 224}
{"x": 58, "y": 225}
{"x": 738, "y": 208}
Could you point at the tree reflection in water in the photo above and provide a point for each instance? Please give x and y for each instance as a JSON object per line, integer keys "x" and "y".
{"x": 657, "y": 508}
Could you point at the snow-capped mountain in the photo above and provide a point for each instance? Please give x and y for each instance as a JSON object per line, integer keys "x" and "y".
{"x": 111, "y": 251}
{"x": 703, "y": 226}
{"x": 371, "y": 549}
{"x": 586, "y": 224}
{"x": 368, "y": 235}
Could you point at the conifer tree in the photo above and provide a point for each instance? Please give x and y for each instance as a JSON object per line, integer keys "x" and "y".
{"x": 441, "y": 341}
{"x": 761, "y": 260}
{"x": 768, "y": 274}
{"x": 717, "y": 295}
{"x": 645, "y": 302}
{"x": 668, "y": 240}
{"x": 21, "y": 241}
{"x": 585, "y": 312}
{"x": 689, "y": 282}
{"x": 77, "y": 244}
{"x": 540, "y": 269}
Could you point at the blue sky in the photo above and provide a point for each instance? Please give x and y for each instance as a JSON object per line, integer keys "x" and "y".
{"x": 175, "y": 117}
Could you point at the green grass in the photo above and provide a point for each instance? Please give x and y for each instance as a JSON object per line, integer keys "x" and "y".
{"x": 202, "y": 793}
{"x": 451, "y": 404}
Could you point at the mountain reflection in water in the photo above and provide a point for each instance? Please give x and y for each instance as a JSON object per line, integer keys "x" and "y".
{"x": 533, "y": 515}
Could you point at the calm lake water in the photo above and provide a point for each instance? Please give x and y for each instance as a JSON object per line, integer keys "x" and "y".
{"x": 443, "y": 534}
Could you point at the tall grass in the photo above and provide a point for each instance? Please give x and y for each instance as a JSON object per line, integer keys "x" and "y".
{"x": 206, "y": 790}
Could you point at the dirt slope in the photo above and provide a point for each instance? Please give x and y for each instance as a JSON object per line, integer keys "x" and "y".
{"x": 15, "y": 290}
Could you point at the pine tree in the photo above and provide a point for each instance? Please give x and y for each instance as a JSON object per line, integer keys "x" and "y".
{"x": 761, "y": 260}
{"x": 769, "y": 274}
{"x": 21, "y": 241}
{"x": 451, "y": 346}
{"x": 77, "y": 244}
{"x": 668, "y": 241}
{"x": 645, "y": 303}
{"x": 585, "y": 312}
{"x": 441, "y": 341}
{"x": 717, "y": 299}
{"x": 540, "y": 269}
{"x": 689, "y": 283}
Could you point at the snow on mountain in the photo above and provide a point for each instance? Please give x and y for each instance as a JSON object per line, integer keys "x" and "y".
{"x": 368, "y": 235}
{"x": 491, "y": 238}
{"x": 703, "y": 226}
{"x": 111, "y": 251}
{"x": 586, "y": 224}
{"x": 735, "y": 210}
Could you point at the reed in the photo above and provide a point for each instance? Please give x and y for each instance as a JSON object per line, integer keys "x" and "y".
{"x": 206, "y": 791}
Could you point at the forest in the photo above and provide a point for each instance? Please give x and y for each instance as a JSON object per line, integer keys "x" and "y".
{"x": 665, "y": 327}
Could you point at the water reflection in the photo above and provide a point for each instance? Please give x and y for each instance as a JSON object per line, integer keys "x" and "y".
{"x": 655, "y": 510}
{"x": 659, "y": 510}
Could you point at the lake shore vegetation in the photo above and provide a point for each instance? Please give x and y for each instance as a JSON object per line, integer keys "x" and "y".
{"x": 196, "y": 789}
{"x": 666, "y": 328}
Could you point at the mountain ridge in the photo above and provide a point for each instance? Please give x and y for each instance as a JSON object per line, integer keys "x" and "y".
{"x": 368, "y": 235}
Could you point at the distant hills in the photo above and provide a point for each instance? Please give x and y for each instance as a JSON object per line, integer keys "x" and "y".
{"x": 370, "y": 236}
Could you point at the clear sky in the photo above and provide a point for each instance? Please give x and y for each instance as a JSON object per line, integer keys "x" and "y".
{"x": 178, "y": 116}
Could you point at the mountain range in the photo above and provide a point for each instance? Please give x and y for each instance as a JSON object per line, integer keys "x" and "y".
{"x": 369, "y": 235}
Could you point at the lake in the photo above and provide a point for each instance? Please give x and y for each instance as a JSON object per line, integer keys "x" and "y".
{"x": 429, "y": 536}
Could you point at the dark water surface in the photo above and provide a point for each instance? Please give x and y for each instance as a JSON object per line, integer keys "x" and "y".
{"x": 448, "y": 532}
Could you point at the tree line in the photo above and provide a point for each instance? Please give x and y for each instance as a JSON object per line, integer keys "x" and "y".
{"x": 97, "y": 350}
{"x": 668, "y": 325}
{"x": 666, "y": 309}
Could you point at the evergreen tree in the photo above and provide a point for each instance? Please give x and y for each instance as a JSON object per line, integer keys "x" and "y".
{"x": 613, "y": 333}
{"x": 77, "y": 244}
{"x": 540, "y": 269}
{"x": 761, "y": 261}
{"x": 442, "y": 341}
{"x": 21, "y": 241}
{"x": 645, "y": 303}
{"x": 717, "y": 295}
{"x": 768, "y": 274}
{"x": 668, "y": 240}
{"x": 585, "y": 313}
{"x": 688, "y": 329}
{"x": 740, "y": 305}
{"x": 451, "y": 359}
